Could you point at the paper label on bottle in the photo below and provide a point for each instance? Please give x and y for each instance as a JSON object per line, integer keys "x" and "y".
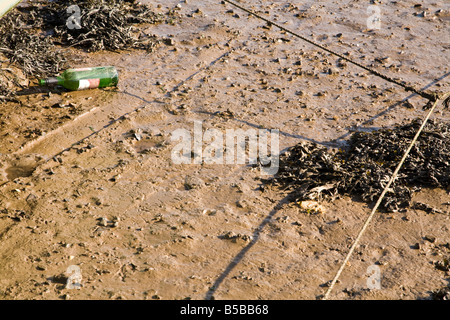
{"x": 81, "y": 69}
{"x": 88, "y": 84}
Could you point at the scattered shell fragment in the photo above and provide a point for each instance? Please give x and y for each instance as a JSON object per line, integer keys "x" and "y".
{"x": 312, "y": 206}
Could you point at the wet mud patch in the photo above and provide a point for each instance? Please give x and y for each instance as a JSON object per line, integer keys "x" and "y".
{"x": 19, "y": 171}
{"x": 144, "y": 140}
{"x": 12, "y": 168}
{"x": 145, "y": 145}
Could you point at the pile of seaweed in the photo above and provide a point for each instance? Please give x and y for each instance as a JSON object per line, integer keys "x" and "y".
{"x": 8, "y": 80}
{"x": 28, "y": 34}
{"x": 312, "y": 172}
{"x": 99, "y": 24}
{"x": 35, "y": 54}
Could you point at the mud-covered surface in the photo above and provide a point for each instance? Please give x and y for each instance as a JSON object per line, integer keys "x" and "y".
{"x": 87, "y": 178}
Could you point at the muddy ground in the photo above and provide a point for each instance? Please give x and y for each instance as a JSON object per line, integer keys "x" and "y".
{"x": 87, "y": 178}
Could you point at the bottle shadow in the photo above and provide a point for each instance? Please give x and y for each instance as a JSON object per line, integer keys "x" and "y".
{"x": 39, "y": 89}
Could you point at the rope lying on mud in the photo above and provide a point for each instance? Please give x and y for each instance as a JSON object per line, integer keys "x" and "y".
{"x": 430, "y": 96}
{"x": 433, "y": 97}
{"x": 393, "y": 177}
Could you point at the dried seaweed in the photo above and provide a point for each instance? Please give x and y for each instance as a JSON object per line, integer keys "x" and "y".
{"x": 313, "y": 172}
{"x": 5, "y": 93}
{"x": 35, "y": 54}
{"x": 32, "y": 35}
{"x": 6, "y": 83}
{"x": 441, "y": 294}
{"x": 103, "y": 25}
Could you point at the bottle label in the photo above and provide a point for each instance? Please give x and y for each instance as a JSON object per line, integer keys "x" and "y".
{"x": 88, "y": 84}
{"x": 80, "y": 69}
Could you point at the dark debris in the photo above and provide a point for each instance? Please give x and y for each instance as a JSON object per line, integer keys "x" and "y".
{"x": 34, "y": 35}
{"x": 35, "y": 54}
{"x": 441, "y": 294}
{"x": 312, "y": 172}
{"x": 104, "y": 25}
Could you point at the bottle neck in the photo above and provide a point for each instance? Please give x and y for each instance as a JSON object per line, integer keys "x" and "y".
{"x": 53, "y": 81}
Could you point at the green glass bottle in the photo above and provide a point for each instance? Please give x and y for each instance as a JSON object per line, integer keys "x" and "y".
{"x": 84, "y": 78}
